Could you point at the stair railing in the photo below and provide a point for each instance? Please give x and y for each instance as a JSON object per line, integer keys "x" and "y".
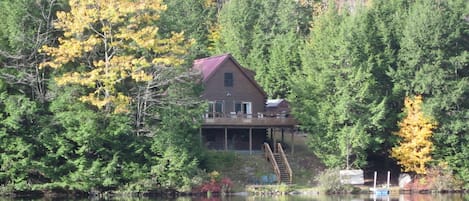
{"x": 285, "y": 161}
{"x": 269, "y": 155}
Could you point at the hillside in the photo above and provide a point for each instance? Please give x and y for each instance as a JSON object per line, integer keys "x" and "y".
{"x": 245, "y": 169}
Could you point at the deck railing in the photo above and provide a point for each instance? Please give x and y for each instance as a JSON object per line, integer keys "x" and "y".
{"x": 260, "y": 119}
{"x": 285, "y": 161}
{"x": 270, "y": 156}
{"x": 259, "y": 115}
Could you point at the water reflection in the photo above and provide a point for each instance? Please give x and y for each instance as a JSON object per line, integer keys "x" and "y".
{"x": 406, "y": 197}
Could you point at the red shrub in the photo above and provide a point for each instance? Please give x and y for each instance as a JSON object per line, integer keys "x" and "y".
{"x": 214, "y": 186}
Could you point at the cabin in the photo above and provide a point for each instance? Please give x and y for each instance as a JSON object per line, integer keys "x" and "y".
{"x": 276, "y": 107}
{"x": 236, "y": 118}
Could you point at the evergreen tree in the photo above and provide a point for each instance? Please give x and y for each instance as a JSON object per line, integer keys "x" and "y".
{"x": 88, "y": 149}
{"x": 341, "y": 96}
{"x": 237, "y": 20}
{"x": 258, "y": 32}
{"x": 19, "y": 146}
{"x": 434, "y": 63}
{"x": 25, "y": 27}
{"x": 283, "y": 63}
{"x": 50, "y": 140}
{"x": 194, "y": 18}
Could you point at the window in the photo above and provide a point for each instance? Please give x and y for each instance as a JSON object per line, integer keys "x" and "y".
{"x": 215, "y": 109}
{"x": 243, "y": 107}
{"x": 228, "y": 79}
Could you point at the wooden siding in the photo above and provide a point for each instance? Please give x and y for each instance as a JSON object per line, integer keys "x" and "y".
{"x": 243, "y": 89}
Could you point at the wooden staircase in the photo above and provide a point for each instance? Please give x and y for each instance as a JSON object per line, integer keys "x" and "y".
{"x": 284, "y": 175}
{"x": 279, "y": 163}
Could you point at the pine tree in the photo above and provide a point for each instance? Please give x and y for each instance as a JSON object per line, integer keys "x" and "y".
{"x": 194, "y": 18}
{"x": 259, "y": 33}
{"x": 340, "y": 96}
{"x": 236, "y": 20}
{"x": 24, "y": 28}
{"x": 434, "y": 63}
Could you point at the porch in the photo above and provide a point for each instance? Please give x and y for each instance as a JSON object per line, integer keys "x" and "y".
{"x": 245, "y": 132}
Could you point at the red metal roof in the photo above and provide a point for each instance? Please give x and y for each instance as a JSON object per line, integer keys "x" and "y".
{"x": 209, "y": 65}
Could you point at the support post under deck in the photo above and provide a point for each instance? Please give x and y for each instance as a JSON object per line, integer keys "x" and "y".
{"x": 292, "y": 141}
{"x": 226, "y": 139}
{"x": 250, "y": 141}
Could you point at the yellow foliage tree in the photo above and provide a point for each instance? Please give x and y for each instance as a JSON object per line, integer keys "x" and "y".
{"x": 109, "y": 42}
{"x": 415, "y": 147}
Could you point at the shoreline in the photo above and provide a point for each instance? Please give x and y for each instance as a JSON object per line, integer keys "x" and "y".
{"x": 259, "y": 190}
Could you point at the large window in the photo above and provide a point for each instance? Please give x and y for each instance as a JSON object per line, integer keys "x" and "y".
{"x": 228, "y": 79}
{"x": 215, "y": 109}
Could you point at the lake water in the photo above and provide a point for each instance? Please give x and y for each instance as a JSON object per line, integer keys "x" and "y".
{"x": 414, "y": 197}
{"x": 407, "y": 197}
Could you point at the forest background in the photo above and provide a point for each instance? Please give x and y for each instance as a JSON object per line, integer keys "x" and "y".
{"x": 99, "y": 95}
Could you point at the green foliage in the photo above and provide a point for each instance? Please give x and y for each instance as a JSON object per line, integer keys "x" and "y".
{"x": 18, "y": 148}
{"x": 346, "y": 75}
{"x": 55, "y": 142}
{"x": 434, "y": 63}
{"x": 357, "y": 67}
{"x": 23, "y": 114}
{"x": 175, "y": 144}
{"x": 194, "y": 18}
{"x": 265, "y": 36}
{"x": 25, "y": 27}
{"x": 174, "y": 168}
{"x": 215, "y": 160}
{"x": 339, "y": 95}
{"x": 89, "y": 150}
{"x": 284, "y": 62}
{"x": 237, "y": 19}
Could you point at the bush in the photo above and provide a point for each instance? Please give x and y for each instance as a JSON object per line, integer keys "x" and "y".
{"x": 216, "y": 185}
{"x": 216, "y": 160}
{"x": 329, "y": 182}
{"x": 443, "y": 179}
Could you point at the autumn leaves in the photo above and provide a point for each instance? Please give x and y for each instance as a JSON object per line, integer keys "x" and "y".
{"x": 112, "y": 43}
{"x": 414, "y": 150}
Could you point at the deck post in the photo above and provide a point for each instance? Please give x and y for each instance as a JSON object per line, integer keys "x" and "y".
{"x": 250, "y": 141}
{"x": 283, "y": 136}
{"x": 274, "y": 140}
{"x": 226, "y": 139}
{"x": 271, "y": 134}
{"x": 292, "y": 141}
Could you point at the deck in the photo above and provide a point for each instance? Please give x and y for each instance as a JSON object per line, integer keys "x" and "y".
{"x": 248, "y": 120}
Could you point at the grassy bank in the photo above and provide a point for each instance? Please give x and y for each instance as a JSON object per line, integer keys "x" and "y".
{"x": 246, "y": 169}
